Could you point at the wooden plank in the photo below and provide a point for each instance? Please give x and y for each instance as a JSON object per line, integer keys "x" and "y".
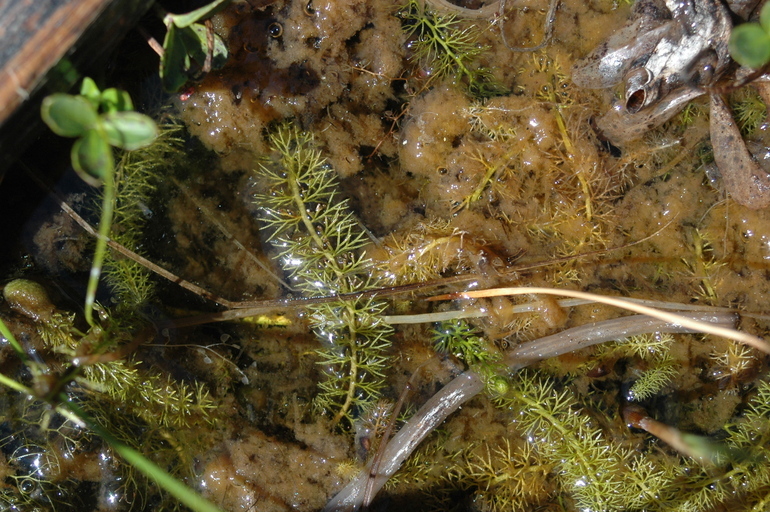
{"x": 34, "y": 36}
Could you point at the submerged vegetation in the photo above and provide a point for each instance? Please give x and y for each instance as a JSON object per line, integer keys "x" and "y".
{"x": 319, "y": 243}
{"x": 140, "y": 408}
{"x": 566, "y": 452}
{"x": 447, "y": 49}
{"x": 137, "y": 175}
{"x": 380, "y": 161}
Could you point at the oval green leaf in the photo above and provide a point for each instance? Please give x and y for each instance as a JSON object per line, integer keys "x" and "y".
{"x": 129, "y": 130}
{"x": 90, "y": 91}
{"x": 764, "y": 17}
{"x": 750, "y": 45}
{"x": 115, "y": 100}
{"x": 92, "y": 157}
{"x": 67, "y": 115}
{"x": 185, "y": 20}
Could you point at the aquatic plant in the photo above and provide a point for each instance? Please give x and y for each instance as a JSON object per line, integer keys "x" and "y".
{"x": 495, "y": 471}
{"x": 596, "y": 473}
{"x": 440, "y": 44}
{"x": 137, "y": 174}
{"x": 98, "y": 120}
{"x": 750, "y": 42}
{"x": 469, "y": 384}
{"x": 654, "y": 350}
{"x": 507, "y": 477}
{"x": 704, "y": 267}
{"x": 567, "y": 449}
{"x": 423, "y": 254}
{"x": 319, "y": 245}
{"x": 458, "y": 338}
{"x": 85, "y": 394}
{"x": 733, "y": 363}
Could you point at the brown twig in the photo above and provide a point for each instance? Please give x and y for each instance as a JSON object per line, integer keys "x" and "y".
{"x": 154, "y": 44}
{"x": 209, "y": 45}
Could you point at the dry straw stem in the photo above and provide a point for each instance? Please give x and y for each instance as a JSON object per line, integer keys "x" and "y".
{"x": 666, "y": 316}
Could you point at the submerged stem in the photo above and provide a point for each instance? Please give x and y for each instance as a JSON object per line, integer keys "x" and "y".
{"x": 469, "y": 384}
{"x": 105, "y": 223}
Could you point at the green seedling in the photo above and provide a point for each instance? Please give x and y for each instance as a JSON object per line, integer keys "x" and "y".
{"x": 99, "y": 120}
{"x": 190, "y": 46}
{"x": 750, "y": 42}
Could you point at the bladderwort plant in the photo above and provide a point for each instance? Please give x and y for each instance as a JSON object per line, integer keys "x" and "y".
{"x": 71, "y": 391}
{"x": 136, "y": 176}
{"x": 441, "y": 44}
{"x": 319, "y": 244}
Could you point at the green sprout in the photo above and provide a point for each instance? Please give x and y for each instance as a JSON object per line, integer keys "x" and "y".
{"x": 750, "y": 42}
{"x": 188, "y": 43}
{"x": 99, "y": 120}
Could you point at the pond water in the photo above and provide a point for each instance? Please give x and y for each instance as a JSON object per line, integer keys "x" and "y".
{"x": 337, "y": 130}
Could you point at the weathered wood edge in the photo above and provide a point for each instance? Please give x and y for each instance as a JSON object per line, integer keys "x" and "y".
{"x": 80, "y": 30}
